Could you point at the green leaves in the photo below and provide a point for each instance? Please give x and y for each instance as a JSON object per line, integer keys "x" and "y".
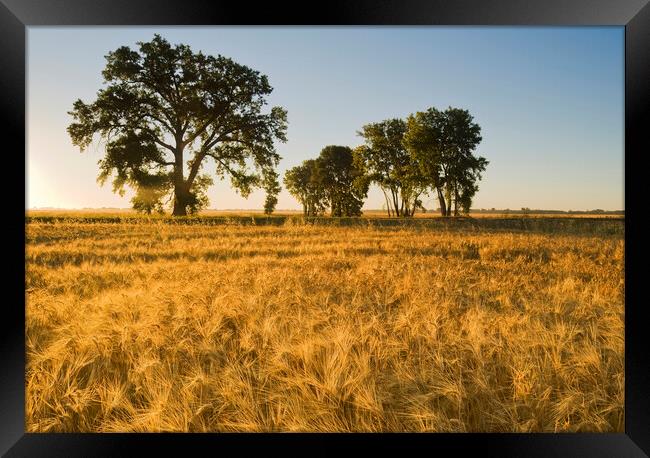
{"x": 442, "y": 144}
{"x": 388, "y": 164}
{"x": 301, "y": 182}
{"x": 165, "y": 111}
{"x": 272, "y": 187}
{"x": 332, "y": 180}
{"x": 431, "y": 150}
{"x": 162, "y": 102}
{"x": 339, "y": 177}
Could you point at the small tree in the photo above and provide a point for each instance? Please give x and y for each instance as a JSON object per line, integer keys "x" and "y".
{"x": 272, "y": 188}
{"x": 467, "y": 192}
{"x": 423, "y": 140}
{"x": 301, "y": 182}
{"x": 442, "y": 144}
{"x": 343, "y": 183}
{"x": 166, "y": 110}
{"x": 462, "y": 136}
{"x": 386, "y": 162}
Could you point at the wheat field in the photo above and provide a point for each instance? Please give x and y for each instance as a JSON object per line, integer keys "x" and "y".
{"x": 155, "y": 327}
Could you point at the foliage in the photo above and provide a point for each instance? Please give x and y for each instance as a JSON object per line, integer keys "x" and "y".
{"x": 165, "y": 110}
{"x": 301, "y": 182}
{"x": 272, "y": 188}
{"x": 386, "y": 162}
{"x": 442, "y": 144}
{"x": 149, "y": 200}
{"x": 343, "y": 183}
{"x": 332, "y": 180}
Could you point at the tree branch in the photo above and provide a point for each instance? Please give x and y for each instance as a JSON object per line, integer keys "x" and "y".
{"x": 205, "y": 125}
{"x": 163, "y": 144}
{"x": 164, "y": 162}
{"x": 194, "y": 168}
{"x": 225, "y": 165}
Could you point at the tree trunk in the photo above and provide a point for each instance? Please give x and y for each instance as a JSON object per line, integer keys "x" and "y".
{"x": 448, "y": 199}
{"x": 443, "y": 206}
{"x": 180, "y": 194}
{"x": 415, "y": 199}
{"x": 180, "y": 201}
{"x": 407, "y": 207}
{"x": 180, "y": 208}
{"x": 395, "y": 202}
{"x": 387, "y": 203}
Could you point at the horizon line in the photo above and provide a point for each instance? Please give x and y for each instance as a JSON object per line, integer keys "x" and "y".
{"x": 432, "y": 210}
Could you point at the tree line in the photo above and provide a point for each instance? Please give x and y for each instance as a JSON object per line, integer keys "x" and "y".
{"x": 166, "y": 113}
{"x": 430, "y": 152}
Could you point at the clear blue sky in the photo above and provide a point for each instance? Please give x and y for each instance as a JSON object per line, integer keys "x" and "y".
{"x": 550, "y": 101}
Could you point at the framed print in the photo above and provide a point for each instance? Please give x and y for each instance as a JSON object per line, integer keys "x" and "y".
{"x": 403, "y": 225}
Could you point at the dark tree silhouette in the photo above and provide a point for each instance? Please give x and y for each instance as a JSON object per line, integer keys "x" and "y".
{"x": 273, "y": 188}
{"x": 386, "y": 162}
{"x": 301, "y": 182}
{"x": 332, "y": 180}
{"x": 442, "y": 144}
{"x": 165, "y": 110}
{"x": 344, "y": 184}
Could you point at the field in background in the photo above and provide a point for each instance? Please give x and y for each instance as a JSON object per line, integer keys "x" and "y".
{"x": 149, "y": 326}
{"x": 125, "y": 212}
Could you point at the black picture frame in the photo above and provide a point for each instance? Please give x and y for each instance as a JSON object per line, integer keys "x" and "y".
{"x": 16, "y": 15}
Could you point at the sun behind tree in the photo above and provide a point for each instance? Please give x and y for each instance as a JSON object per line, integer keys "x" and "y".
{"x": 164, "y": 110}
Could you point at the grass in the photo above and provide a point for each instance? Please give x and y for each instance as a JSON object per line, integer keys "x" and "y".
{"x": 129, "y": 213}
{"x": 148, "y": 326}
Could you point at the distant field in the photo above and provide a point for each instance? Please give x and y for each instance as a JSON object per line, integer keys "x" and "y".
{"x": 241, "y": 324}
{"x": 366, "y": 214}
{"x": 542, "y": 224}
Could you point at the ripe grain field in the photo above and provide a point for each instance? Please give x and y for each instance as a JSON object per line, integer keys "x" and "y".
{"x": 148, "y": 326}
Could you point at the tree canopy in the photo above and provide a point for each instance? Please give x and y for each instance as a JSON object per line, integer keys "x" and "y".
{"x": 386, "y": 162}
{"x": 332, "y": 180}
{"x": 301, "y": 182}
{"x": 344, "y": 184}
{"x": 442, "y": 144}
{"x": 165, "y": 114}
{"x": 165, "y": 111}
{"x": 432, "y": 151}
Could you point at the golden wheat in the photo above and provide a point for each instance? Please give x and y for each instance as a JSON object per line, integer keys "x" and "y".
{"x": 157, "y": 327}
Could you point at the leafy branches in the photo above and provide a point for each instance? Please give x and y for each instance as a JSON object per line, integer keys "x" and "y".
{"x": 162, "y": 103}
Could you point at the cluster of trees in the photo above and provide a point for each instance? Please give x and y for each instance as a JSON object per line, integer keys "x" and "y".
{"x": 430, "y": 151}
{"x": 332, "y": 181}
{"x": 166, "y": 113}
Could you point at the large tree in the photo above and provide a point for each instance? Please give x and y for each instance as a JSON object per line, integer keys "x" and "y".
{"x": 442, "y": 143}
{"x": 165, "y": 111}
{"x": 387, "y": 163}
